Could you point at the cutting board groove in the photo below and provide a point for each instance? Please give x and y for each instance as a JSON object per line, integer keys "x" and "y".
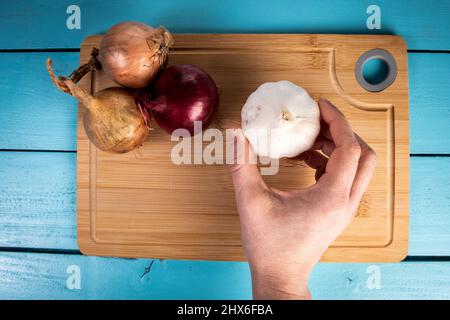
{"x": 140, "y": 204}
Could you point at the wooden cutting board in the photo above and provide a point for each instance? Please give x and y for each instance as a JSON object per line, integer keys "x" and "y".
{"x": 140, "y": 204}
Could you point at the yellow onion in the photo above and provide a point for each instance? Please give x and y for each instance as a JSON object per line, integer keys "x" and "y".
{"x": 131, "y": 53}
{"x": 113, "y": 121}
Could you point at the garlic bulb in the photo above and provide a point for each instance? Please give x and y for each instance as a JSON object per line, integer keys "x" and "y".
{"x": 280, "y": 120}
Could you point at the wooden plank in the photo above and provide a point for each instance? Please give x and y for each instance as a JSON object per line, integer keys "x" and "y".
{"x": 33, "y": 113}
{"x": 430, "y": 206}
{"x": 38, "y": 202}
{"x": 425, "y": 205}
{"x": 405, "y": 280}
{"x": 429, "y": 80}
{"x": 56, "y": 127}
{"x": 45, "y": 276}
{"x": 424, "y": 26}
{"x": 188, "y": 212}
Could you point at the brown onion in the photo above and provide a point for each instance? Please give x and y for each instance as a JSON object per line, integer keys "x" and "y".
{"x": 113, "y": 121}
{"x": 131, "y": 54}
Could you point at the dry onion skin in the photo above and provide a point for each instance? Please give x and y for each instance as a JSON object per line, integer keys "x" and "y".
{"x": 112, "y": 120}
{"x": 131, "y": 54}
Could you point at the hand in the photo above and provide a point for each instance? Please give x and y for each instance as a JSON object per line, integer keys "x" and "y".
{"x": 284, "y": 234}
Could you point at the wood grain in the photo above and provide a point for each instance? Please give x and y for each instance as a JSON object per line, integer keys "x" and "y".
{"x": 33, "y": 113}
{"x": 38, "y": 202}
{"x": 430, "y": 107}
{"x": 430, "y": 206}
{"x": 44, "y": 276}
{"x": 27, "y": 78}
{"x": 423, "y": 24}
{"x": 142, "y": 205}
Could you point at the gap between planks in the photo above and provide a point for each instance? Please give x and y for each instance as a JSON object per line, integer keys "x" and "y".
{"x": 78, "y": 50}
{"x": 38, "y": 150}
{"x": 412, "y": 155}
{"x": 78, "y": 253}
{"x": 40, "y": 250}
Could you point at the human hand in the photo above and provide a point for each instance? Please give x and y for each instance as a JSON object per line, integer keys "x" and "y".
{"x": 284, "y": 234}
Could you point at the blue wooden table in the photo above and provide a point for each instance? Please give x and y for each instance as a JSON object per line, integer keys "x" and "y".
{"x": 38, "y": 247}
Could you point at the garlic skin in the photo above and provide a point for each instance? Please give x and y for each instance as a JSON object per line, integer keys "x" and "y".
{"x": 280, "y": 119}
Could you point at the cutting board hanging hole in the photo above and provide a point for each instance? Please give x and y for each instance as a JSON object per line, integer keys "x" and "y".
{"x": 375, "y": 70}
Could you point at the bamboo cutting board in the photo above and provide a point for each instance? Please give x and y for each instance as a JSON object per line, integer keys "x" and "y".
{"x": 140, "y": 204}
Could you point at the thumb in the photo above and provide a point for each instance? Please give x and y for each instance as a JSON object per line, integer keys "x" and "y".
{"x": 244, "y": 172}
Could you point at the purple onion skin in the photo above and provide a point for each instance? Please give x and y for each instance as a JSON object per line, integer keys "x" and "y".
{"x": 181, "y": 95}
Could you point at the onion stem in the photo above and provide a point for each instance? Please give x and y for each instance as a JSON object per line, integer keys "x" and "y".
{"x": 68, "y": 86}
{"x": 77, "y": 74}
{"x": 92, "y": 65}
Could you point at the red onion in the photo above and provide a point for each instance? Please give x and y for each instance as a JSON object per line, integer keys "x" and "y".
{"x": 181, "y": 95}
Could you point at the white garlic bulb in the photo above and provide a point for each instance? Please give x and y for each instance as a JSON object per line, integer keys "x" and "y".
{"x": 280, "y": 119}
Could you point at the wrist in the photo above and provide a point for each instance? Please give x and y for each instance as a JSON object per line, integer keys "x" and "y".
{"x": 281, "y": 284}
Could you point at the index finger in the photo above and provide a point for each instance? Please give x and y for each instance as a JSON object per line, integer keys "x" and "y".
{"x": 343, "y": 163}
